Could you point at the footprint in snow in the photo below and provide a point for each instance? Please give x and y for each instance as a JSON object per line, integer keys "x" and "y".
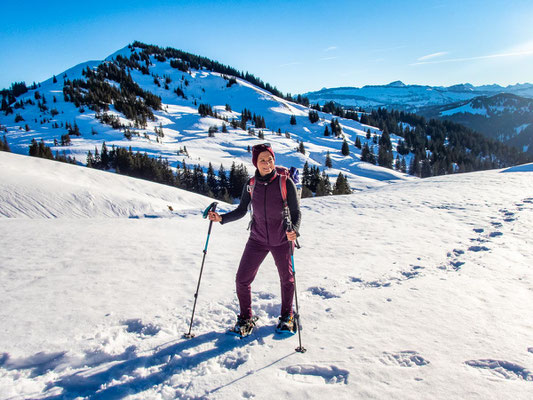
{"x": 495, "y": 234}
{"x": 478, "y": 248}
{"x": 234, "y": 359}
{"x": 137, "y": 326}
{"x": 479, "y": 230}
{"x": 319, "y": 291}
{"x": 502, "y": 369}
{"x": 457, "y": 264}
{"x": 497, "y": 224}
{"x": 308, "y": 373}
{"x": 406, "y": 358}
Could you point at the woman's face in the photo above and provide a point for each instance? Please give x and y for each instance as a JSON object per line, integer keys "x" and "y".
{"x": 265, "y": 163}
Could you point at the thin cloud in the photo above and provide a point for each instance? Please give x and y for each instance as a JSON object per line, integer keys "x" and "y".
{"x": 331, "y": 48}
{"x": 499, "y": 55}
{"x": 433, "y": 55}
{"x": 328, "y": 58}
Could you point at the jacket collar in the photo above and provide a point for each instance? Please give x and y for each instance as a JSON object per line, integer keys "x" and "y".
{"x": 267, "y": 178}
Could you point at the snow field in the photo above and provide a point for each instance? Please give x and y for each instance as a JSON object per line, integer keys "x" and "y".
{"x": 414, "y": 290}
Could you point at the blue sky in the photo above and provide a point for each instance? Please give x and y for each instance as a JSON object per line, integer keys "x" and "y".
{"x": 297, "y": 46}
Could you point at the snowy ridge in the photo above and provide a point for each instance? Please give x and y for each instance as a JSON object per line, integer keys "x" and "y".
{"x": 412, "y": 98}
{"x": 37, "y": 188}
{"x": 420, "y": 288}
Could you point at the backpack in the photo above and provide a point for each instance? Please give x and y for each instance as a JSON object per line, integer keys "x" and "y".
{"x": 284, "y": 174}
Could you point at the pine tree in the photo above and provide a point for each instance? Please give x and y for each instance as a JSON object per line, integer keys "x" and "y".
{"x": 358, "y": 143}
{"x": 212, "y": 180}
{"x": 4, "y": 146}
{"x": 341, "y": 185}
{"x": 293, "y": 120}
{"x": 326, "y": 131}
{"x": 345, "y": 149}
{"x": 222, "y": 182}
{"x": 403, "y": 166}
{"x": 328, "y": 162}
{"x": 301, "y": 148}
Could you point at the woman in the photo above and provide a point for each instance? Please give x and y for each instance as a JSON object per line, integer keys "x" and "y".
{"x": 268, "y": 234}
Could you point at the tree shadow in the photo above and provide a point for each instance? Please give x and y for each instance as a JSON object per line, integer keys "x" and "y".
{"x": 93, "y": 385}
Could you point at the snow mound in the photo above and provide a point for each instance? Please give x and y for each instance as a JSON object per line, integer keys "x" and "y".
{"x": 38, "y": 188}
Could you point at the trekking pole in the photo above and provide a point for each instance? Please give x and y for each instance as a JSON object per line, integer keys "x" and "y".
{"x": 212, "y": 207}
{"x": 300, "y": 348}
{"x": 288, "y": 224}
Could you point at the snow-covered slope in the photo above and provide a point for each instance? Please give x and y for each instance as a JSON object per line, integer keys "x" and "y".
{"x": 37, "y": 188}
{"x": 412, "y": 98}
{"x": 415, "y": 290}
{"x": 183, "y": 126}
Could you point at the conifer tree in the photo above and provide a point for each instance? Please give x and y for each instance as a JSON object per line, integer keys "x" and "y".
{"x": 326, "y": 131}
{"x": 345, "y": 149}
{"x": 403, "y": 166}
{"x": 4, "y": 146}
{"x": 212, "y": 180}
{"x": 341, "y": 185}
{"x": 328, "y": 162}
{"x": 358, "y": 143}
{"x": 301, "y": 148}
{"x": 293, "y": 120}
{"x": 222, "y": 182}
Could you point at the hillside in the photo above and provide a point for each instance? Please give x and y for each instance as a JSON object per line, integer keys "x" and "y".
{"x": 505, "y": 117}
{"x": 142, "y": 99}
{"x": 418, "y": 289}
{"x": 187, "y": 110}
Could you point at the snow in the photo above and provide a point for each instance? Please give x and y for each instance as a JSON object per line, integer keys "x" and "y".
{"x": 467, "y": 109}
{"x": 183, "y": 126}
{"x": 418, "y": 289}
{"x": 411, "y": 97}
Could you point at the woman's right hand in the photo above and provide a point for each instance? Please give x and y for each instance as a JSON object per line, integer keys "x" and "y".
{"x": 214, "y": 216}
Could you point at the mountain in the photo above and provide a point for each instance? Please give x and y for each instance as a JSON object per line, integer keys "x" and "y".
{"x": 505, "y": 117}
{"x": 167, "y": 115}
{"x": 411, "y": 98}
{"x": 501, "y": 113}
{"x": 417, "y": 289}
{"x": 148, "y": 99}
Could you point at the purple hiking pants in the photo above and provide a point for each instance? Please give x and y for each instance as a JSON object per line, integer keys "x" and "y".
{"x": 254, "y": 254}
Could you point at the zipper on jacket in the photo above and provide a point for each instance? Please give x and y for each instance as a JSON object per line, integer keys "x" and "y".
{"x": 266, "y": 220}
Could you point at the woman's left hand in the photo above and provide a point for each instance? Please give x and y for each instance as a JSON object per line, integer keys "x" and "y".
{"x": 292, "y": 236}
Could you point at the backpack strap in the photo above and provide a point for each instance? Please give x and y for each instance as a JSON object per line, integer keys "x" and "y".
{"x": 283, "y": 188}
{"x": 250, "y": 188}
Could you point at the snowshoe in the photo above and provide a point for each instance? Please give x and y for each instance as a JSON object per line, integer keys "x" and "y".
{"x": 243, "y": 327}
{"x": 287, "y": 325}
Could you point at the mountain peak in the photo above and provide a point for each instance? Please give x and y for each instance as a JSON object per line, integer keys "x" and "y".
{"x": 396, "y": 84}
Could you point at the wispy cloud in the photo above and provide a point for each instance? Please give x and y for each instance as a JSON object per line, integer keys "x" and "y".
{"x": 433, "y": 55}
{"x": 328, "y": 58}
{"x": 486, "y": 57}
{"x": 331, "y": 48}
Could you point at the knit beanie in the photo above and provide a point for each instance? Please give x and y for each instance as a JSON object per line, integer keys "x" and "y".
{"x": 258, "y": 149}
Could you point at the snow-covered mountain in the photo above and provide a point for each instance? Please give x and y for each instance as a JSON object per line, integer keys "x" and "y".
{"x": 44, "y": 112}
{"x": 421, "y": 289}
{"x": 412, "y": 98}
{"x": 506, "y": 117}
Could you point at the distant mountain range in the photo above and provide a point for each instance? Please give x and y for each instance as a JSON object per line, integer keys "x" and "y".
{"x": 412, "y": 98}
{"x": 503, "y": 113}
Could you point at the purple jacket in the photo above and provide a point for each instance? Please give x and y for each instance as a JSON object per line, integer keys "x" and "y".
{"x": 268, "y": 224}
